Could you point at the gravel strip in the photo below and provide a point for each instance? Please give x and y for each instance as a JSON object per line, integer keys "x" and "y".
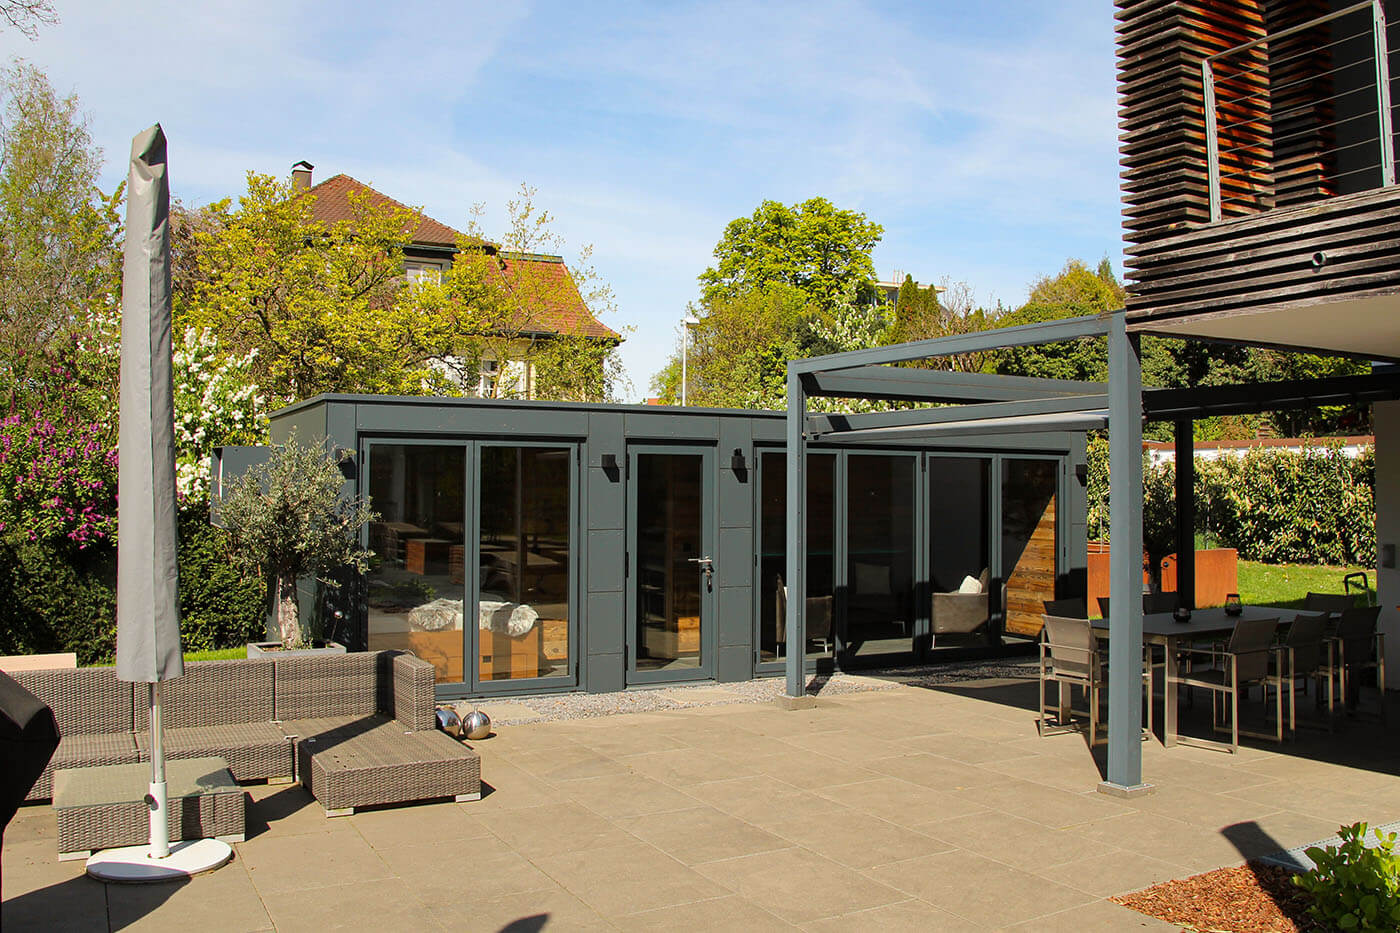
{"x": 561, "y": 706}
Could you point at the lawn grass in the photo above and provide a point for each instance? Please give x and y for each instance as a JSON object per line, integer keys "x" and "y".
{"x": 218, "y": 654}
{"x": 1287, "y": 585}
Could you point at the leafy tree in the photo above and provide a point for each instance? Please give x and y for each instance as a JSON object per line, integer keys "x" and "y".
{"x": 26, "y": 16}
{"x": 60, "y": 260}
{"x": 315, "y": 305}
{"x": 940, "y": 311}
{"x": 814, "y": 247}
{"x": 738, "y": 352}
{"x": 287, "y": 519}
{"x": 1075, "y": 291}
{"x": 508, "y": 299}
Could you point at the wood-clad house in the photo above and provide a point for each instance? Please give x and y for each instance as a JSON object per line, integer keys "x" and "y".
{"x": 1258, "y": 192}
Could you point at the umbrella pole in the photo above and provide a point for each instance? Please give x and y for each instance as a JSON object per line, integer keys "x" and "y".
{"x": 157, "y": 801}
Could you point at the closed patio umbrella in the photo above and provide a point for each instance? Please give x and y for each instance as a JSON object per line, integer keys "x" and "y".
{"x": 148, "y": 604}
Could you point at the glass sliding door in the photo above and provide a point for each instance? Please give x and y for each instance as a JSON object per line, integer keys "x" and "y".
{"x": 671, "y": 550}
{"x": 1029, "y": 545}
{"x": 415, "y": 580}
{"x": 821, "y": 554}
{"x": 524, "y": 563}
{"x": 880, "y": 545}
{"x": 960, "y": 543}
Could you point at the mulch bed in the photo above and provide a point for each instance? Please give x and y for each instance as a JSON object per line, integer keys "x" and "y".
{"x": 1253, "y": 898}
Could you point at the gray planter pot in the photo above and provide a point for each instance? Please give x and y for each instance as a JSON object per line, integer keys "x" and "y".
{"x": 274, "y": 649}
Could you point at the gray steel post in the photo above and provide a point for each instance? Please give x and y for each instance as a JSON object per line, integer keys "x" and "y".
{"x": 1185, "y": 515}
{"x": 1125, "y": 561}
{"x": 1212, "y": 140}
{"x": 1387, "y": 140}
{"x": 796, "y": 575}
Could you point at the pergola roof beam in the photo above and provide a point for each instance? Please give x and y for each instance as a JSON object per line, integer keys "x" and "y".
{"x": 844, "y": 425}
{"x": 937, "y": 385}
{"x": 1089, "y": 325}
{"x": 1084, "y": 421}
{"x": 1203, "y": 401}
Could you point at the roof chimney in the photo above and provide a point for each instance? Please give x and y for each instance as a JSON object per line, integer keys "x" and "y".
{"x": 301, "y": 175}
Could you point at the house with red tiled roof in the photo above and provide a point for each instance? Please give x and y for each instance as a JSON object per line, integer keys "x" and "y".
{"x": 553, "y": 305}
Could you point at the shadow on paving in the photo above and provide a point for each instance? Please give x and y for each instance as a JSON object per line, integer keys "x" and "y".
{"x": 69, "y": 905}
{"x": 1252, "y": 841}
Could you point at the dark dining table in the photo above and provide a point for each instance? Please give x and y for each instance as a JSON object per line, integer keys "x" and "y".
{"x": 1161, "y": 628}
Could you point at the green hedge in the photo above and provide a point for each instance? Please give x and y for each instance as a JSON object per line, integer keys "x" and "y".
{"x": 55, "y": 597}
{"x": 1315, "y": 506}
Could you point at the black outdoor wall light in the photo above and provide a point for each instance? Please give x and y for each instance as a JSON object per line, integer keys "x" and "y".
{"x": 1081, "y": 473}
{"x": 737, "y": 461}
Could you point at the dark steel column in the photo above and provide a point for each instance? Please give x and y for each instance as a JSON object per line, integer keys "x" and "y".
{"x": 1185, "y": 516}
{"x": 1125, "y": 560}
{"x": 796, "y": 575}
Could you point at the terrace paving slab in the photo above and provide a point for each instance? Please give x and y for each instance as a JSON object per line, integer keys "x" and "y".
{"x": 905, "y": 807}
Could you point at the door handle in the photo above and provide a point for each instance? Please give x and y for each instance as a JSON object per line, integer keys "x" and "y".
{"x": 707, "y": 565}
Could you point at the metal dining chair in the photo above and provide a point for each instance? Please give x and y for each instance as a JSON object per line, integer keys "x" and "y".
{"x": 1305, "y": 655}
{"x": 1069, "y": 657}
{"x": 1250, "y": 657}
{"x": 1360, "y": 648}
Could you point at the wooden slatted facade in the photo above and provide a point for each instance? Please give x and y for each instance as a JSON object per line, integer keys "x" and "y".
{"x": 1291, "y": 135}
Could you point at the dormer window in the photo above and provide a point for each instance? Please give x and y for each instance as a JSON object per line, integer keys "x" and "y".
{"x": 419, "y": 272}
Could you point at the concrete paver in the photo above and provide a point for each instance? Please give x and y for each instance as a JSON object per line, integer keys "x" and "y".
{"x": 896, "y": 809}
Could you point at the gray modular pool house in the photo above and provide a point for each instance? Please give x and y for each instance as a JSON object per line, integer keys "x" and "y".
{"x": 525, "y": 546}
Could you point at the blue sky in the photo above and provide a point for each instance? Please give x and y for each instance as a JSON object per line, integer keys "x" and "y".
{"x": 981, "y": 135}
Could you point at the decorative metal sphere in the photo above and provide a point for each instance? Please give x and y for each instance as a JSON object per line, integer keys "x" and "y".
{"x": 476, "y": 725}
{"x": 448, "y": 721}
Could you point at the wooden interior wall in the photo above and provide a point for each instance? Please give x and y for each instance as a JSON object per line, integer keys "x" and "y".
{"x": 1032, "y": 581}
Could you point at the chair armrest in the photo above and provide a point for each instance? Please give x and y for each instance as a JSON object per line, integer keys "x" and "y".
{"x": 412, "y": 696}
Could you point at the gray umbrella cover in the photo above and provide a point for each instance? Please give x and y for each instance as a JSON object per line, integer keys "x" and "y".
{"x": 148, "y": 577}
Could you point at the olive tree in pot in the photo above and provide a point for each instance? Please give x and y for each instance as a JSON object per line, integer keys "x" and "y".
{"x": 287, "y": 519}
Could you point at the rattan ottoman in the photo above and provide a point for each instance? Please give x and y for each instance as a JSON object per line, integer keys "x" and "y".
{"x": 104, "y": 807}
{"x": 355, "y": 767}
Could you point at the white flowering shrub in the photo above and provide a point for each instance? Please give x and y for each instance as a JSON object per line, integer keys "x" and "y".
{"x": 216, "y": 404}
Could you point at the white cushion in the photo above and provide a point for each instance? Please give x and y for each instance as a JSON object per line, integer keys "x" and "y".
{"x": 970, "y": 585}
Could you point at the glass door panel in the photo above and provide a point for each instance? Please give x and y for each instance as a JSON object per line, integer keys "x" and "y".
{"x": 879, "y": 602}
{"x": 1028, "y": 541}
{"x": 415, "y": 578}
{"x": 772, "y": 563}
{"x": 523, "y": 563}
{"x": 672, "y": 580}
{"x": 960, "y": 571}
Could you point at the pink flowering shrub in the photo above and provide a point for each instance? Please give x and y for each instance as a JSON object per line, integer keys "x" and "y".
{"x": 58, "y": 476}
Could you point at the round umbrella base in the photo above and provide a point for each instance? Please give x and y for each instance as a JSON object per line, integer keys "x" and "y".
{"x": 135, "y": 865}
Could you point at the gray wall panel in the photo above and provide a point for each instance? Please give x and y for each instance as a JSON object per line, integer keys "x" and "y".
{"x": 733, "y": 664}
{"x": 308, "y": 423}
{"x": 669, "y": 424}
{"x": 606, "y": 499}
{"x": 605, "y": 560}
{"x": 606, "y": 622}
{"x": 736, "y": 496}
{"x": 606, "y": 673}
{"x": 734, "y": 607}
{"x": 734, "y": 562}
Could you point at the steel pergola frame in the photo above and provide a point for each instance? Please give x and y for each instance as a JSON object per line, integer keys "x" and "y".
{"x": 977, "y": 403}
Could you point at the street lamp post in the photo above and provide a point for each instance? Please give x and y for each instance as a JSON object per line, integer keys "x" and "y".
{"x": 687, "y": 323}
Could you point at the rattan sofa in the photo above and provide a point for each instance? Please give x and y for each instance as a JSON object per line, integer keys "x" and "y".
{"x": 263, "y": 716}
